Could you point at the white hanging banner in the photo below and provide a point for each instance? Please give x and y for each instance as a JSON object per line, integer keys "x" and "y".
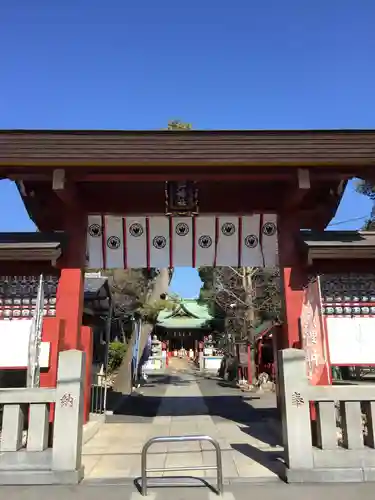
{"x": 205, "y": 241}
{"x": 227, "y": 241}
{"x": 114, "y": 257}
{"x": 95, "y": 242}
{"x": 251, "y": 252}
{"x": 269, "y": 240}
{"x": 116, "y": 242}
{"x": 182, "y": 242}
{"x": 136, "y": 242}
{"x": 159, "y": 241}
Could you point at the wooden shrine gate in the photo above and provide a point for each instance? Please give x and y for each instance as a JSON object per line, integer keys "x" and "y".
{"x": 297, "y": 176}
{"x": 262, "y": 186}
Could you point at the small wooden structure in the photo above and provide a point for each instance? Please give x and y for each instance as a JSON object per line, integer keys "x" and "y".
{"x": 185, "y": 326}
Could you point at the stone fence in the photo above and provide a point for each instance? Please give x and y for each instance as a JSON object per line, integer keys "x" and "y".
{"x": 340, "y": 444}
{"x": 25, "y": 457}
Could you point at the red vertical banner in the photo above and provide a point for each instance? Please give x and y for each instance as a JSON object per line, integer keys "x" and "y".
{"x": 313, "y": 336}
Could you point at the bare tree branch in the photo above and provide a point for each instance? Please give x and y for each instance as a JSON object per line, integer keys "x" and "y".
{"x": 246, "y": 295}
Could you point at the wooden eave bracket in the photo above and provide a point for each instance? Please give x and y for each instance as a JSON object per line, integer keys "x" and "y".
{"x": 66, "y": 191}
{"x": 295, "y": 195}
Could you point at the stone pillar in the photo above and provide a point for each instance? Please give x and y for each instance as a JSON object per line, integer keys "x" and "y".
{"x": 295, "y": 409}
{"x": 87, "y": 345}
{"x": 12, "y": 427}
{"x": 67, "y": 432}
{"x": 201, "y": 361}
{"x": 37, "y": 439}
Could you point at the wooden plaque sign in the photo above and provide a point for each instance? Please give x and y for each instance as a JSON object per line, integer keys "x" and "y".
{"x": 181, "y": 198}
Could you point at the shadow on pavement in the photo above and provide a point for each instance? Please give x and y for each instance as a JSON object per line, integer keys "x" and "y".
{"x": 272, "y": 460}
{"x": 232, "y": 408}
{"x": 154, "y": 381}
{"x": 268, "y": 433}
{"x": 175, "y": 481}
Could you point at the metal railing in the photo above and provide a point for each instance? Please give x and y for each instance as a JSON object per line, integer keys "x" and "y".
{"x": 179, "y": 439}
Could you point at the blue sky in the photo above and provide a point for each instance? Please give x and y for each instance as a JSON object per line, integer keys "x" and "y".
{"x": 220, "y": 65}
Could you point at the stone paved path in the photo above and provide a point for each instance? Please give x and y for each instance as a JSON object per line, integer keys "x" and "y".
{"x": 272, "y": 491}
{"x": 191, "y": 404}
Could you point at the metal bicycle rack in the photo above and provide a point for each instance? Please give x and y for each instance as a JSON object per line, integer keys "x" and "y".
{"x": 179, "y": 439}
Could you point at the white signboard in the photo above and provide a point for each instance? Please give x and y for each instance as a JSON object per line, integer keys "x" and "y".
{"x": 14, "y": 345}
{"x": 212, "y": 363}
{"x": 351, "y": 341}
{"x": 152, "y": 364}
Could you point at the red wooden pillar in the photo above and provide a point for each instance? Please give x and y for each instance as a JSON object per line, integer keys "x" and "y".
{"x": 293, "y": 275}
{"x": 69, "y": 300}
{"x": 75, "y": 229}
{"x": 70, "y": 292}
{"x": 249, "y": 365}
{"x": 53, "y": 331}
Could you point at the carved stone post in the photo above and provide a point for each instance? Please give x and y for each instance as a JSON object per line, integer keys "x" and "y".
{"x": 67, "y": 432}
{"x": 295, "y": 410}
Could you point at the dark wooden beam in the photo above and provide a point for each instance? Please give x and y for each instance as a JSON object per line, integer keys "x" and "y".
{"x": 161, "y": 177}
{"x": 143, "y": 174}
{"x": 295, "y": 194}
{"x": 65, "y": 190}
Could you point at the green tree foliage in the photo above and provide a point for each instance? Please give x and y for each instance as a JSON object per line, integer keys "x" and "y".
{"x": 369, "y": 225}
{"x": 366, "y": 188}
{"x": 129, "y": 288}
{"x": 150, "y": 312}
{"x": 116, "y": 353}
{"x": 179, "y": 125}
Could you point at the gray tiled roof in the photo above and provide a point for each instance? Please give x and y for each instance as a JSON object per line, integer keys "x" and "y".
{"x": 338, "y": 238}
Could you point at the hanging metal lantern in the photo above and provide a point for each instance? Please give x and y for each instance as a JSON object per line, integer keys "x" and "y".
{"x": 181, "y": 198}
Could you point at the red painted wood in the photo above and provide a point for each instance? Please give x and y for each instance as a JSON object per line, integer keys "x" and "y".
{"x": 148, "y": 242}
{"x": 293, "y": 278}
{"x": 104, "y": 241}
{"x": 249, "y": 367}
{"x": 75, "y": 229}
{"x": 69, "y": 306}
{"x": 53, "y": 332}
{"x": 171, "y": 236}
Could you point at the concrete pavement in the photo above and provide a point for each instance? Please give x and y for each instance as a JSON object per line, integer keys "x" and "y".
{"x": 271, "y": 491}
{"x": 185, "y": 403}
{"x": 191, "y": 404}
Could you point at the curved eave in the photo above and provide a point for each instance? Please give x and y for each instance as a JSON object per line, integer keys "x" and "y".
{"x": 29, "y": 247}
{"x": 103, "y": 149}
{"x": 185, "y": 324}
{"x": 339, "y": 245}
{"x": 343, "y": 253}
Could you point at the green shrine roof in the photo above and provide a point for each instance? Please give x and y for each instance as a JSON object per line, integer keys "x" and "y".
{"x": 187, "y": 314}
